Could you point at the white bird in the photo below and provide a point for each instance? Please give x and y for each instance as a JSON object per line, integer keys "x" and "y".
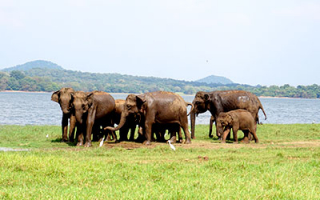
{"x": 171, "y": 145}
{"x": 101, "y": 142}
{"x": 47, "y": 136}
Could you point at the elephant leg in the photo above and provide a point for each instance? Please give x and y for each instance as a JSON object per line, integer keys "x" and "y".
{"x": 255, "y": 136}
{"x": 246, "y": 137}
{"x": 185, "y": 128}
{"x": 64, "y": 125}
{"x": 254, "y": 129}
{"x": 148, "y": 133}
{"x": 88, "y": 132}
{"x": 217, "y": 132}
{"x": 72, "y": 128}
{"x": 80, "y": 132}
{"x": 114, "y": 136}
{"x": 229, "y": 135}
{"x": 235, "y": 136}
{"x": 224, "y": 135}
{"x": 210, "y": 126}
{"x": 180, "y": 135}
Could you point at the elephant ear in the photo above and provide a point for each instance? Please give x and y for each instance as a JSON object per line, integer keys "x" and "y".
{"x": 206, "y": 97}
{"x": 90, "y": 99}
{"x": 55, "y": 96}
{"x": 140, "y": 100}
{"x": 229, "y": 119}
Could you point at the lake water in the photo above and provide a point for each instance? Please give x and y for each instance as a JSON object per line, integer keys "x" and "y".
{"x": 37, "y": 109}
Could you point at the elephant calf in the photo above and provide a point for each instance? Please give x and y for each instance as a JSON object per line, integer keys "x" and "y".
{"x": 237, "y": 120}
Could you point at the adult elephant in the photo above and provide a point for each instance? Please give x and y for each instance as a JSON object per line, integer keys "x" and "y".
{"x": 224, "y": 101}
{"x": 92, "y": 108}
{"x": 131, "y": 121}
{"x": 156, "y": 107}
{"x": 64, "y": 98}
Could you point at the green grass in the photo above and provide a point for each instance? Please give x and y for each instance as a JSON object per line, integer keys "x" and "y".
{"x": 285, "y": 165}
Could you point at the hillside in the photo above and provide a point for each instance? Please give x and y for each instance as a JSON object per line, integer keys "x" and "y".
{"x": 48, "y": 77}
{"x": 216, "y": 80}
{"x": 34, "y": 64}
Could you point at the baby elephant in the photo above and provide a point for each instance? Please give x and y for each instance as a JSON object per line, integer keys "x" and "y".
{"x": 237, "y": 120}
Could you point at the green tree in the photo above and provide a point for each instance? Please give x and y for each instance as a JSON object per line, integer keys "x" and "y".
{"x": 17, "y": 74}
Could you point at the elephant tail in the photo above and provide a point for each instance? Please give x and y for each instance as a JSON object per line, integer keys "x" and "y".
{"x": 261, "y": 107}
{"x": 189, "y": 104}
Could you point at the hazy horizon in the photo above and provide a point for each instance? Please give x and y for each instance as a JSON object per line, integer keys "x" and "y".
{"x": 249, "y": 42}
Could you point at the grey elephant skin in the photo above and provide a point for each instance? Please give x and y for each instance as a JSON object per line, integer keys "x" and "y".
{"x": 236, "y": 120}
{"x": 224, "y": 101}
{"x": 64, "y": 98}
{"x": 156, "y": 108}
{"x": 131, "y": 121}
{"x": 92, "y": 108}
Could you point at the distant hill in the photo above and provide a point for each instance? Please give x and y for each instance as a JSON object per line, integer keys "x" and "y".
{"x": 46, "y": 76}
{"x": 215, "y": 80}
{"x": 34, "y": 64}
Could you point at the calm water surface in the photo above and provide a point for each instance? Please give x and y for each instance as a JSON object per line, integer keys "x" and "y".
{"x": 37, "y": 109}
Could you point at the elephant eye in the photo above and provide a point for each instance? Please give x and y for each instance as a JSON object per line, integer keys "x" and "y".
{"x": 129, "y": 106}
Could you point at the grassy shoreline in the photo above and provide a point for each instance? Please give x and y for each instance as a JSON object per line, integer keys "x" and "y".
{"x": 285, "y": 165}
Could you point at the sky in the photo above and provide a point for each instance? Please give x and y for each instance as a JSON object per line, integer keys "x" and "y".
{"x": 273, "y": 42}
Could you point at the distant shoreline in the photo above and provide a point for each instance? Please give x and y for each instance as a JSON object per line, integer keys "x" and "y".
{"x": 21, "y": 91}
{"x": 264, "y": 97}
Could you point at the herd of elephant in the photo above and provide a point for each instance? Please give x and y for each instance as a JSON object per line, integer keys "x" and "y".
{"x": 94, "y": 114}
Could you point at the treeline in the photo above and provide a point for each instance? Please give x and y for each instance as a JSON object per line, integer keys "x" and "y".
{"x": 48, "y": 80}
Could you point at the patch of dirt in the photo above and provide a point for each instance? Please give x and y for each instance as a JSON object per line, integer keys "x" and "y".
{"x": 211, "y": 145}
{"x": 129, "y": 145}
{"x": 303, "y": 144}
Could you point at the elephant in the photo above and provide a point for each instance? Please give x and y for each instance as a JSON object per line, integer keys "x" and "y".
{"x": 64, "y": 98}
{"x": 92, "y": 108}
{"x": 131, "y": 121}
{"x": 236, "y": 120}
{"x": 224, "y": 101}
{"x": 156, "y": 107}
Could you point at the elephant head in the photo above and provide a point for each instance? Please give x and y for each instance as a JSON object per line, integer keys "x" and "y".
{"x": 134, "y": 105}
{"x": 64, "y": 98}
{"x": 81, "y": 103}
{"x": 200, "y": 105}
{"x": 223, "y": 120}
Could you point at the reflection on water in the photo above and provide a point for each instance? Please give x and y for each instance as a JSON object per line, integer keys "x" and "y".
{"x": 37, "y": 108}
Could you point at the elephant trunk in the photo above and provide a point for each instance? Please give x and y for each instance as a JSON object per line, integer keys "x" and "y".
{"x": 193, "y": 123}
{"x": 192, "y": 107}
{"x": 120, "y": 125}
{"x": 79, "y": 117}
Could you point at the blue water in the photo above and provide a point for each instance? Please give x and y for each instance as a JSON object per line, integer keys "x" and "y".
{"x": 37, "y": 109}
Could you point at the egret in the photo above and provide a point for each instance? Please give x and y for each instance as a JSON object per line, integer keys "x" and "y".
{"x": 171, "y": 145}
{"x": 47, "y": 136}
{"x": 101, "y": 142}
